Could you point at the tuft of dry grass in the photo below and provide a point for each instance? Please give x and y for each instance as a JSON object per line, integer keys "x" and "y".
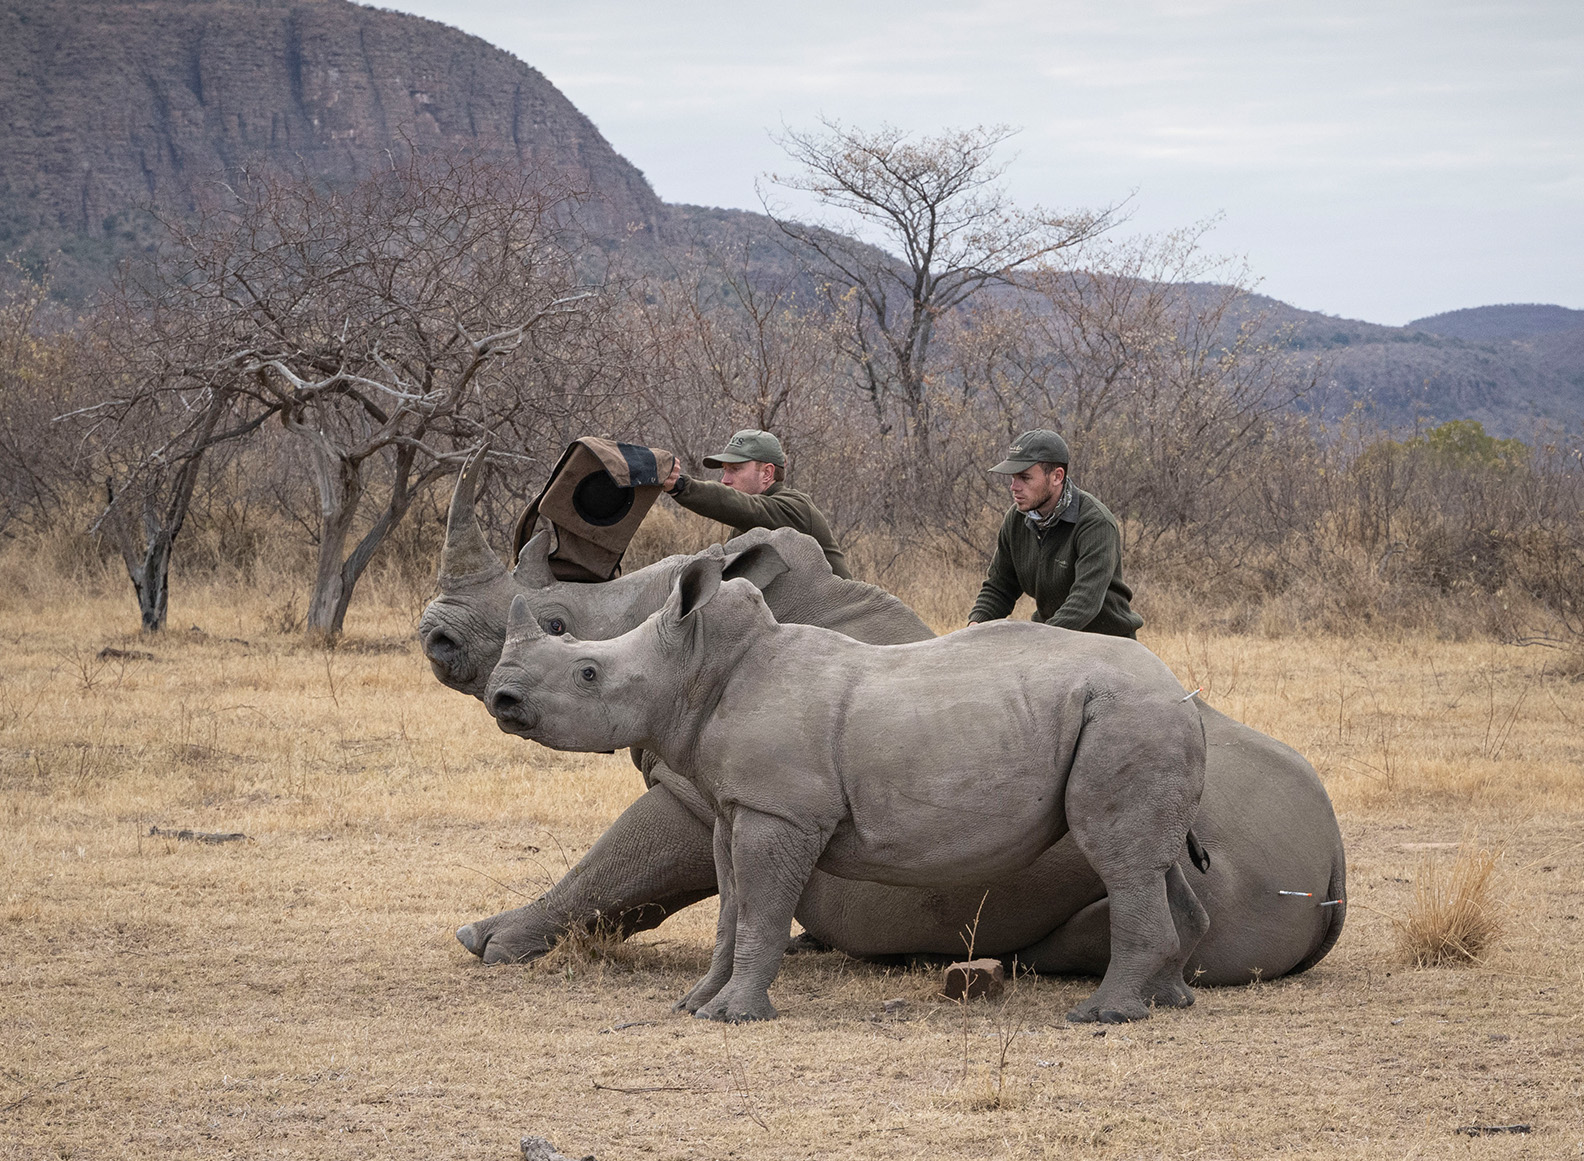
{"x": 1456, "y": 916}
{"x": 590, "y": 950}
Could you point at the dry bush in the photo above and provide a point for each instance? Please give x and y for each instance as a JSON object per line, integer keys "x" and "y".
{"x": 1456, "y": 916}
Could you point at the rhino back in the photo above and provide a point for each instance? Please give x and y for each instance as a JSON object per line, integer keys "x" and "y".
{"x": 928, "y": 761}
{"x": 808, "y": 593}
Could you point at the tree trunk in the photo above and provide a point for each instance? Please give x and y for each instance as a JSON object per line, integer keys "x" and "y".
{"x": 336, "y": 573}
{"x": 340, "y": 483}
{"x": 151, "y": 580}
{"x": 148, "y": 556}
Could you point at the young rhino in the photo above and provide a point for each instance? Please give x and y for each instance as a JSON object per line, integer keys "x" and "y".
{"x": 956, "y": 760}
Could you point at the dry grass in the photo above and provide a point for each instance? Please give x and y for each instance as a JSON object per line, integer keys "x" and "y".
{"x": 301, "y": 994}
{"x": 1456, "y": 915}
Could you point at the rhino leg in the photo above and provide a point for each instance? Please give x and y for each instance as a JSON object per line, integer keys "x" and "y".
{"x": 653, "y": 861}
{"x": 720, "y": 968}
{"x": 1191, "y": 920}
{"x": 763, "y": 864}
{"x": 1079, "y": 947}
{"x": 1129, "y": 802}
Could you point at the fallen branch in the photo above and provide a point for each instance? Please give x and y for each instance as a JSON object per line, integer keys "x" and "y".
{"x": 1492, "y": 1130}
{"x": 199, "y": 836}
{"x": 648, "y": 1088}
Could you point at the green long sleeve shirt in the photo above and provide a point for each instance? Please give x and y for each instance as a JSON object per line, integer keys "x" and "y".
{"x": 778, "y": 506}
{"x": 1072, "y": 569}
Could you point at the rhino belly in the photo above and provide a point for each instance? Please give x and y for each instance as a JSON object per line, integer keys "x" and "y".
{"x": 931, "y": 847}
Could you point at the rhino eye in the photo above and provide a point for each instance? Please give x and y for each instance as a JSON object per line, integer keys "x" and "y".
{"x": 588, "y": 673}
{"x": 555, "y": 626}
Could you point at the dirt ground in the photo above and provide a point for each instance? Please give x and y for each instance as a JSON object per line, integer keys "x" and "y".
{"x": 299, "y": 993}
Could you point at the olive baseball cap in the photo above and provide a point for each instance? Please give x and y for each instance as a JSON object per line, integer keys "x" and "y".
{"x": 751, "y": 444}
{"x": 1040, "y": 446}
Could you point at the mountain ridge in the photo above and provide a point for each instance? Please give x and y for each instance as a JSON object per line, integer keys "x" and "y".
{"x": 114, "y": 104}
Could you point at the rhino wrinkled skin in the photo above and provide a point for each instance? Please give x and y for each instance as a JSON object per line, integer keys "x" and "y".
{"x": 1264, "y": 817}
{"x": 959, "y": 759}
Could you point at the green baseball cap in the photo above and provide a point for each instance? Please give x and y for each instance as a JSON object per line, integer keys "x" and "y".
{"x": 750, "y": 444}
{"x": 1041, "y": 446}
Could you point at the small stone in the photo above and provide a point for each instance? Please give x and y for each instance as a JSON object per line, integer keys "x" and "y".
{"x": 895, "y": 1007}
{"x": 973, "y": 979}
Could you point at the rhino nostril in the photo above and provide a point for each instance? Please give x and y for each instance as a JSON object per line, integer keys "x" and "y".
{"x": 439, "y": 646}
{"x": 504, "y": 704}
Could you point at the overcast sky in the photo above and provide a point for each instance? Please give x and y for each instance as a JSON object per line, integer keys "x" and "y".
{"x": 1376, "y": 159}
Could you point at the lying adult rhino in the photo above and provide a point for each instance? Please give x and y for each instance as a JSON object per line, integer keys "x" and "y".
{"x": 959, "y": 759}
{"x": 1264, "y": 818}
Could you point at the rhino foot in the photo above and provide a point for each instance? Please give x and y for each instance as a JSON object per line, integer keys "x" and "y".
{"x": 737, "y": 1010}
{"x": 500, "y": 943}
{"x": 803, "y": 943}
{"x": 1173, "y": 994}
{"x": 1164, "y": 992}
{"x": 1094, "y": 1010}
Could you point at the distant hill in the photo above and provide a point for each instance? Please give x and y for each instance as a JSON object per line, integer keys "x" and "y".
{"x": 1528, "y": 374}
{"x": 1494, "y": 324}
{"x": 113, "y": 104}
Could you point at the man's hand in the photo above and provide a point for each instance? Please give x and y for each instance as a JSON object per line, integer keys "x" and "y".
{"x": 676, "y": 474}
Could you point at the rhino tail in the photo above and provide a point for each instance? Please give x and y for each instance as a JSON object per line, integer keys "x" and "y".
{"x": 1336, "y": 911}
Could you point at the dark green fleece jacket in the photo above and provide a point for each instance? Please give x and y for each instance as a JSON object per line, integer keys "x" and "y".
{"x": 1072, "y": 568}
{"x": 778, "y": 506}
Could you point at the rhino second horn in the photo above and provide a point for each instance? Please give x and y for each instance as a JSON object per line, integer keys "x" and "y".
{"x": 467, "y": 555}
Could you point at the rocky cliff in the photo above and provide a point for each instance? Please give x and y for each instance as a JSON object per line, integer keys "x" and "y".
{"x": 112, "y": 104}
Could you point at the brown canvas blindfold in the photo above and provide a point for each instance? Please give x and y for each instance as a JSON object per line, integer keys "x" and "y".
{"x": 595, "y": 499}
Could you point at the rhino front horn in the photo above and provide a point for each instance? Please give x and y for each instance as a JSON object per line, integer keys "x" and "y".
{"x": 467, "y": 555}
{"x": 521, "y": 625}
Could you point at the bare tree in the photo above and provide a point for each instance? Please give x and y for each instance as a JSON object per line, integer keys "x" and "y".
{"x": 719, "y": 347}
{"x": 37, "y": 350}
{"x": 374, "y": 321}
{"x": 155, "y": 402}
{"x": 945, "y": 230}
{"x": 1153, "y": 359}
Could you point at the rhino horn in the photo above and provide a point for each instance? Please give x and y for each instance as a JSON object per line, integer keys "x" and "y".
{"x": 467, "y": 554}
{"x": 521, "y": 625}
{"x": 533, "y": 563}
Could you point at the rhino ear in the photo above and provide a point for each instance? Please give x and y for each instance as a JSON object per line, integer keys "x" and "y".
{"x": 761, "y": 564}
{"x": 533, "y": 562}
{"x": 698, "y": 581}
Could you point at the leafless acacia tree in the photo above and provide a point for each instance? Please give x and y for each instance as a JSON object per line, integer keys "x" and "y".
{"x": 945, "y": 230}
{"x": 375, "y": 322}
